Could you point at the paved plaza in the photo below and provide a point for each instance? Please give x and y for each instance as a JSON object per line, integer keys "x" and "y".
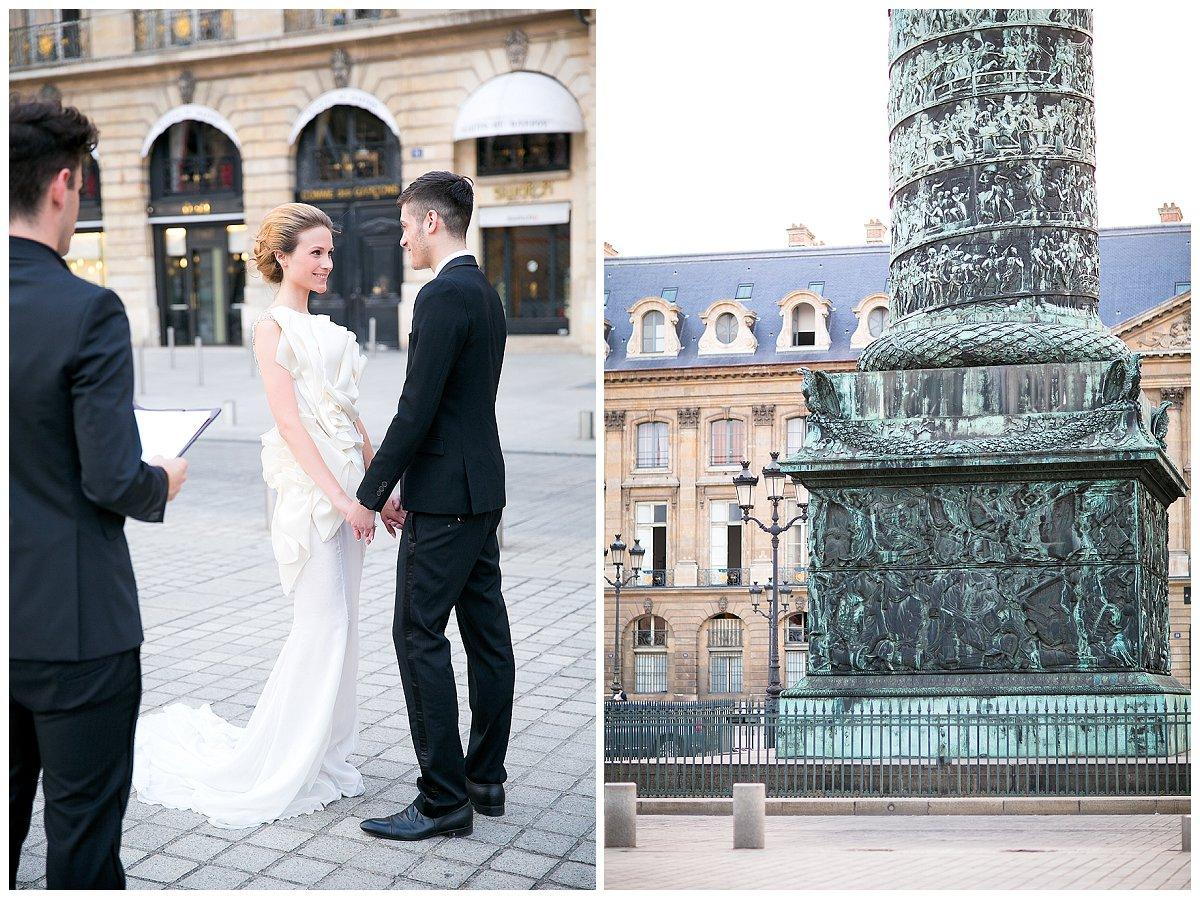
{"x": 918, "y": 852}
{"x": 215, "y": 619}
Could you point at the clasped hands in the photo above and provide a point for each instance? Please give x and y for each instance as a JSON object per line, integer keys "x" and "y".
{"x": 362, "y": 519}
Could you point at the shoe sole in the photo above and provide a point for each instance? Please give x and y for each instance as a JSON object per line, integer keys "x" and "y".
{"x": 494, "y": 811}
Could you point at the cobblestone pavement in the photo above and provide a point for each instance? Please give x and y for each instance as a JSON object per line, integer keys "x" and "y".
{"x": 958, "y": 852}
{"x": 216, "y": 618}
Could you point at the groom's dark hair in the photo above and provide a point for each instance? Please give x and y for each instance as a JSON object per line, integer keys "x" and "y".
{"x": 452, "y": 196}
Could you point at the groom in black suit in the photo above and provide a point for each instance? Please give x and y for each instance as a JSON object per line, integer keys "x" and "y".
{"x": 443, "y": 448}
{"x": 74, "y": 678}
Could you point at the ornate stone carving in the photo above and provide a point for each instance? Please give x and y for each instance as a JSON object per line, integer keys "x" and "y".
{"x": 614, "y": 420}
{"x": 689, "y": 418}
{"x": 1175, "y": 337}
{"x": 1173, "y": 395}
{"x": 339, "y": 64}
{"x": 49, "y": 92}
{"x": 516, "y": 47}
{"x": 763, "y": 414}
{"x": 187, "y": 86}
{"x": 993, "y": 576}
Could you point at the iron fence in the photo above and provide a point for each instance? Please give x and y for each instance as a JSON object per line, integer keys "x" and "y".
{"x": 1012, "y": 747}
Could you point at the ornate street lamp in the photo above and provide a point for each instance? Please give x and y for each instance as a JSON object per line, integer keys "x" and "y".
{"x": 775, "y": 481}
{"x": 616, "y": 550}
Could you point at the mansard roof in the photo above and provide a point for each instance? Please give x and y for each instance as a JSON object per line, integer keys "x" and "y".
{"x": 1140, "y": 268}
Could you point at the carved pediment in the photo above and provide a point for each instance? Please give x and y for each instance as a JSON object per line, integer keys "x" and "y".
{"x": 1166, "y": 328}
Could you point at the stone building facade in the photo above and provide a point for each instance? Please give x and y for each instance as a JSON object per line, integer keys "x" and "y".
{"x": 210, "y": 118}
{"x": 702, "y": 359}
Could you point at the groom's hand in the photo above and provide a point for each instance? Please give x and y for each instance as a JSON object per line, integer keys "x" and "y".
{"x": 393, "y": 516}
{"x": 362, "y": 520}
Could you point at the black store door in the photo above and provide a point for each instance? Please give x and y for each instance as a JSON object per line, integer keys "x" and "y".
{"x": 365, "y": 283}
{"x": 200, "y": 289}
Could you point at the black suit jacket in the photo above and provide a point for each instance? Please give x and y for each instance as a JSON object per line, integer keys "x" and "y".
{"x": 443, "y": 440}
{"x": 75, "y": 470}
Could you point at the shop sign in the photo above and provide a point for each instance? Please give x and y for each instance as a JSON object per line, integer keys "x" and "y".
{"x": 350, "y": 193}
{"x": 523, "y": 192}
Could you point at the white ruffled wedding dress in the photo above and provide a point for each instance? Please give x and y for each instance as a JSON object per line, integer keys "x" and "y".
{"x": 293, "y": 756}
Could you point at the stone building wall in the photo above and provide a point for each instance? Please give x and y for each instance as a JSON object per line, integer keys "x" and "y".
{"x": 421, "y": 64}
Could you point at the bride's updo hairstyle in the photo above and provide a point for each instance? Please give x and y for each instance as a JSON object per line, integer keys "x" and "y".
{"x": 280, "y": 232}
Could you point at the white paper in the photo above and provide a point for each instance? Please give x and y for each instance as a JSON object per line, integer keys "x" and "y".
{"x": 166, "y": 433}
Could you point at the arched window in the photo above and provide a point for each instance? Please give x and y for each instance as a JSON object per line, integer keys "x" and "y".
{"x": 795, "y": 649}
{"x": 654, "y": 332}
{"x": 727, "y": 328}
{"x": 346, "y": 145}
{"x": 877, "y": 321}
{"x": 727, "y": 442}
{"x": 724, "y": 654}
{"x": 652, "y": 444}
{"x": 194, "y": 159}
{"x": 650, "y": 655}
{"x": 804, "y": 326}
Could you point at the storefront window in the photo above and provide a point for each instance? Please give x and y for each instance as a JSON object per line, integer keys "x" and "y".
{"x": 193, "y": 158}
{"x": 346, "y": 144}
{"x": 86, "y": 256}
{"x": 525, "y": 154}
{"x": 530, "y": 268}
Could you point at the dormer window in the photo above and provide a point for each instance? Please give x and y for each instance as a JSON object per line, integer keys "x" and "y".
{"x": 874, "y": 316}
{"x": 728, "y": 329}
{"x": 805, "y": 318}
{"x": 655, "y": 328}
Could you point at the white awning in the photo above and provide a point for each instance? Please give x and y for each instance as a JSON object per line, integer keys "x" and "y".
{"x": 516, "y": 103}
{"x": 189, "y": 112}
{"x": 491, "y": 216}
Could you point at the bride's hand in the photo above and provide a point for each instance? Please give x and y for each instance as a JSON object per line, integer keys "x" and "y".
{"x": 360, "y": 518}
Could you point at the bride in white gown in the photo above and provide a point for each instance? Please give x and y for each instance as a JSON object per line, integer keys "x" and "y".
{"x": 293, "y": 756}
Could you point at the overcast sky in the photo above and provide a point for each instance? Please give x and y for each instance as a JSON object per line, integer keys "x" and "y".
{"x": 717, "y": 132}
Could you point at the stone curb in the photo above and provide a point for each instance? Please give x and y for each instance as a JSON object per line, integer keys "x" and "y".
{"x": 1031, "y": 805}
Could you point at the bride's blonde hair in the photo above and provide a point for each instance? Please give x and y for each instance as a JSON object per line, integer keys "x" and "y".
{"x": 280, "y": 232}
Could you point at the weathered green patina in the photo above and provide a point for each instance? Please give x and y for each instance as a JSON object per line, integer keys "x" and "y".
{"x": 988, "y": 493}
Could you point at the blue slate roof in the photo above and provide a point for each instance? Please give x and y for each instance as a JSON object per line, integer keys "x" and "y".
{"x": 1139, "y": 268}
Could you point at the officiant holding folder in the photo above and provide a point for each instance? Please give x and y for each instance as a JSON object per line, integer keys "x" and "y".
{"x": 75, "y": 474}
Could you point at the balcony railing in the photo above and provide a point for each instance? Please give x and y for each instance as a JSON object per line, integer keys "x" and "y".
{"x": 161, "y": 29}
{"x": 49, "y": 42}
{"x": 305, "y": 20}
{"x": 734, "y": 576}
{"x": 655, "y": 578}
{"x": 337, "y": 164}
{"x": 647, "y": 638}
{"x": 192, "y": 174}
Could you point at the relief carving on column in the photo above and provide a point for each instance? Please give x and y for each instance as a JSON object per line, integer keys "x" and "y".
{"x": 689, "y": 418}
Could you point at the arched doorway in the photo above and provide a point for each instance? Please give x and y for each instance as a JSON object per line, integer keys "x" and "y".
{"x": 199, "y": 233}
{"x": 348, "y": 165}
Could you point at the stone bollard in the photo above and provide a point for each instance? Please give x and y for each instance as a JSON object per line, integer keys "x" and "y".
{"x": 620, "y": 815}
{"x": 749, "y": 816}
{"x": 229, "y": 412}
{"x": 1185, "y": 830}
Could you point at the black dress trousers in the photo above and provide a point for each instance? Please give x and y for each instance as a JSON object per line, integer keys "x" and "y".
{"x": 453, "y": 562}
{"x": 74, "y": 723}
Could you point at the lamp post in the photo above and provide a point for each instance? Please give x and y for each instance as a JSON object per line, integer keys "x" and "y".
{"x": 775, "y": 481}
{"x": 621, "y": 580}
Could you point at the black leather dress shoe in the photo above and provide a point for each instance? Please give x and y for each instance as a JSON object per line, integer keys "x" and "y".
{"x": 413, "y": 824}
{"x": 488, "y": 799}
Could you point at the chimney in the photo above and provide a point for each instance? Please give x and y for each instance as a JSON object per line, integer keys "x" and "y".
{"x": 610, "y": 250}
{"x": 1169, "y": 213}
{"x": 799, "y": 235}
{"x": 876, "y": 232}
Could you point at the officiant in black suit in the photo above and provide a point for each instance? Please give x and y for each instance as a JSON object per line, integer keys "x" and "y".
{"x": 75, "y": 475}
{"x": 443, "y": 448}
